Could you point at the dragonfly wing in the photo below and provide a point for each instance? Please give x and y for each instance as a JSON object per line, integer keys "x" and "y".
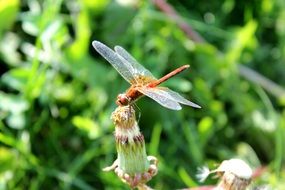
{"x": 178, "y": 98}
{"x": 123, "y": 67}
{"x": 138, "y": 69}
{"x": 160, "y": 97}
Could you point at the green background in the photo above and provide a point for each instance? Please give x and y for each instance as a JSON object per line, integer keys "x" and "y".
{"x": 57, "y": 94}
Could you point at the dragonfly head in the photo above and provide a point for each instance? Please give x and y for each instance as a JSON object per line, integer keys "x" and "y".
{"x": 122, "y": 100}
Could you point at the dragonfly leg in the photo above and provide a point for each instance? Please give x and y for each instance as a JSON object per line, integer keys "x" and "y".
{"x": 139, "y": 111}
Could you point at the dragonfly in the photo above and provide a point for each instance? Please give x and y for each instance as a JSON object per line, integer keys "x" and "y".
{"x": 142, "y": 81}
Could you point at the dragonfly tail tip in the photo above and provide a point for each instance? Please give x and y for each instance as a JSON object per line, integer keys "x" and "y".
{"x": 187, "y": 66}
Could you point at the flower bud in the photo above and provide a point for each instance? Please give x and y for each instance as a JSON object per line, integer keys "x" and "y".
{"x": 133, "y": 165}
{"x": 235, "y": 175}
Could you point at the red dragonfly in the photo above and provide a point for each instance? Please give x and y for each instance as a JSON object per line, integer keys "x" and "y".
{"x": 141, "y": 80}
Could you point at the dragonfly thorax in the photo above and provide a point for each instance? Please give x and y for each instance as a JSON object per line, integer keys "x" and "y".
{"x": 131, "y": 95}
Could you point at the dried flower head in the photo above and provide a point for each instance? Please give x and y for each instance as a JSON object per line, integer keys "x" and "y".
{"x": 132, "y": 166}
{"x": 235, "y": 174}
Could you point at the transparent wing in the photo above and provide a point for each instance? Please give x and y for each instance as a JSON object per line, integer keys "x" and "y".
{"x": 123, "y": 67}
{"x": 167, "y": 97}
{"x": 178, "y": 98}
{"x": 160, "y": 96}
{"x": 138, "y": 69}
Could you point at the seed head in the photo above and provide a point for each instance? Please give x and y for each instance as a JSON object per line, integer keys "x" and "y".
{"x": 235, "y": 174}
{"x": 132, "y": 166}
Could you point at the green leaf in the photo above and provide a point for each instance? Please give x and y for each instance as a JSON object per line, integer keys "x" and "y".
{"x": 88, "y": 126}
{"x": 13, "y": 104}
{"x": 244, "y": 37}
{"x": 205, "y": 128}
{"x": 8, "y": 13}
{"x": 16, "y": 78}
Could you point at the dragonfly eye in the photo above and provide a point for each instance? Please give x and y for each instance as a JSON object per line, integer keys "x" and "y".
{"x": 122, "y": 100}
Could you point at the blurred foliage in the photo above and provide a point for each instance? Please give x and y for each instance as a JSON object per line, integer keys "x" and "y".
{"x": 57, "y": 93}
